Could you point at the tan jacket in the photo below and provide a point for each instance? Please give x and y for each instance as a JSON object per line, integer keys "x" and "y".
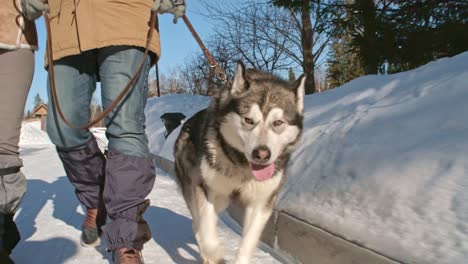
{"x": 15, "y": 31}
{"x": 99, "y": 23}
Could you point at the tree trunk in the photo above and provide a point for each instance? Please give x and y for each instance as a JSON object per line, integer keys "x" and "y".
{"x": 368, "y": 44}
{"x": 306, "y": 41}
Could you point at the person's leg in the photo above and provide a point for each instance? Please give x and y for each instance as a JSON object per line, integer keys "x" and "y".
{"x": 130, "y": 171}
{"x": 16, "y": 73}
{"x": 75, "y": 82}
{"x": 84, "y": 163}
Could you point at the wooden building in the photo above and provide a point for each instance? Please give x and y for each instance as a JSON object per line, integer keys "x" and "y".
{"x": 41, "y": 112}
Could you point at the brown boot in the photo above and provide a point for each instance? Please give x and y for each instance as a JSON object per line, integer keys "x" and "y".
{"x": 90, "y": 219}
{"x": 127, "y": 256}
{"x": 91, "y": 232}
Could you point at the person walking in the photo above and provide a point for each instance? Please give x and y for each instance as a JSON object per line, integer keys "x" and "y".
{"x": 103, "y": 41}
{"x": 18, "y": 41}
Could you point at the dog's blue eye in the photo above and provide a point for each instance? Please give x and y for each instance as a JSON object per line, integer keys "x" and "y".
{"x": 277, "y": 123}
{"x": 248, "y": 121}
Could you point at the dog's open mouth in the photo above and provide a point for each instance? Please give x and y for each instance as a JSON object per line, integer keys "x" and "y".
{"x": 262, "y": 172}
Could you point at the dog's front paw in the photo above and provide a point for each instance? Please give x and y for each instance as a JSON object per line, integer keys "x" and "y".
{"x": 216, "y": 260}
{"x": 242, "y": 260}
{"x": 211, "y": 262}
{"x": 212, "y": 253}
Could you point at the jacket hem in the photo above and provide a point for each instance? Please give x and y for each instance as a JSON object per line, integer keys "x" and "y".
{"x": 62, "y": 53}
{"x": 15, "y": 47}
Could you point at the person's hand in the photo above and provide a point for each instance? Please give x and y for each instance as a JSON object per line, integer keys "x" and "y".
{"x": 32, "y": 9}
{"x": 175, "y": 7}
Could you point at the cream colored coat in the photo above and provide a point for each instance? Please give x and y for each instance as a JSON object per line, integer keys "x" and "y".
{"x": 82, "y": 25}
{"x": 15, "y": 31}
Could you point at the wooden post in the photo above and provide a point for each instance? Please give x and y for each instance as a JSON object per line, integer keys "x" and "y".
{"x": 43, "y": 122}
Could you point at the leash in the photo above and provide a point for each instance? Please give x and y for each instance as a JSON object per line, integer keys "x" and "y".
{"x": 220, "y": 74}
{"x": 156, "y": 70}
{"x": 117, "y": 100}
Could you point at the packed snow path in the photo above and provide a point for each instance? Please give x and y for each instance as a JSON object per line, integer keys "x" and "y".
{"x": 50, "y": 218}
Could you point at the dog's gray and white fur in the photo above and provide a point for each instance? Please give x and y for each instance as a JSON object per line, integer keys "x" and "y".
{"x": 254, "y": 122}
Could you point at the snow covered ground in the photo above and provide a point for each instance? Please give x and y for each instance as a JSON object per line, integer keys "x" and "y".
{"x": 31, "y": 134}
{"x": 383, "y": 161}
{"x": 50, "y": 216}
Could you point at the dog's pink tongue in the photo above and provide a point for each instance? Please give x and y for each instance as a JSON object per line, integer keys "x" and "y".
{"x": 261, "y": 172}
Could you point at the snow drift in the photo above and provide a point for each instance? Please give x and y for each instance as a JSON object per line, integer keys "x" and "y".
{"x": 383, "y": 161}
{"x": 31, "y": 134}
{"x": 186, "y": 104}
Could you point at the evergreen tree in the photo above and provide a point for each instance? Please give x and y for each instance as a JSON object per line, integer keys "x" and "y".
{"x": 367, "y": 40}
{"x": 37, "y": 100}
{"x": 343, "y": 62}
{"x": 425, "y": 30}
{"x": 398, "y": 35}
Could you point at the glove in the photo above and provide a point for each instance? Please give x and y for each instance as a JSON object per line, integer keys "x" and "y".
{"x": 32, "y": 9}
{"x": 176, "y": 7}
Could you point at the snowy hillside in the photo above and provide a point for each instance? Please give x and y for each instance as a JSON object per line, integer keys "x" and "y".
{"x": 383, "y": 161}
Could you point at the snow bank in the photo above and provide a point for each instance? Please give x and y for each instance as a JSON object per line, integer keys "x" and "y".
{"x": 157, "y": 106}
{"x": 100, "y": 135}
{"x": 383, "y": 161}
{"x": 31, "y": 134}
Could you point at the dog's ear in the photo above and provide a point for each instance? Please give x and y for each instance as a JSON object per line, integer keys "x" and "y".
{"x": 299, "y": 89}
{"x": 239, "y": 83}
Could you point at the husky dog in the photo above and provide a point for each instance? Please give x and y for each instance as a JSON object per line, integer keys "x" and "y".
{"x": 238, "y": 149}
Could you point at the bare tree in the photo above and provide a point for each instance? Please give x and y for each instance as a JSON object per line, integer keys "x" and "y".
{"x": 320, "y": 80}
{"x": 313, "y": 20}
{"x": 257, "y": 33}
{"x": 96, "y": 110}
{"x": 175, "y": 83}
{"x": 195, "y": 76}
{"x": 199, "y": 76}
{"x": 152, "y": 85}
{"x": 294, "y": 34}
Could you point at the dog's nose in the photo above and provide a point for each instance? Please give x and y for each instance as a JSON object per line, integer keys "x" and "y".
{"x": 261, "y": 154}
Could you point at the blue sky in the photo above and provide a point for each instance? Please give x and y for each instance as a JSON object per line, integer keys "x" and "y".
{"x": 176, "y": 41}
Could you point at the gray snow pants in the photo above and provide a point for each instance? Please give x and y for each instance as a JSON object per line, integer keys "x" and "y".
{"x": 16, "y": 73}
{"x": 128, "y": 174}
